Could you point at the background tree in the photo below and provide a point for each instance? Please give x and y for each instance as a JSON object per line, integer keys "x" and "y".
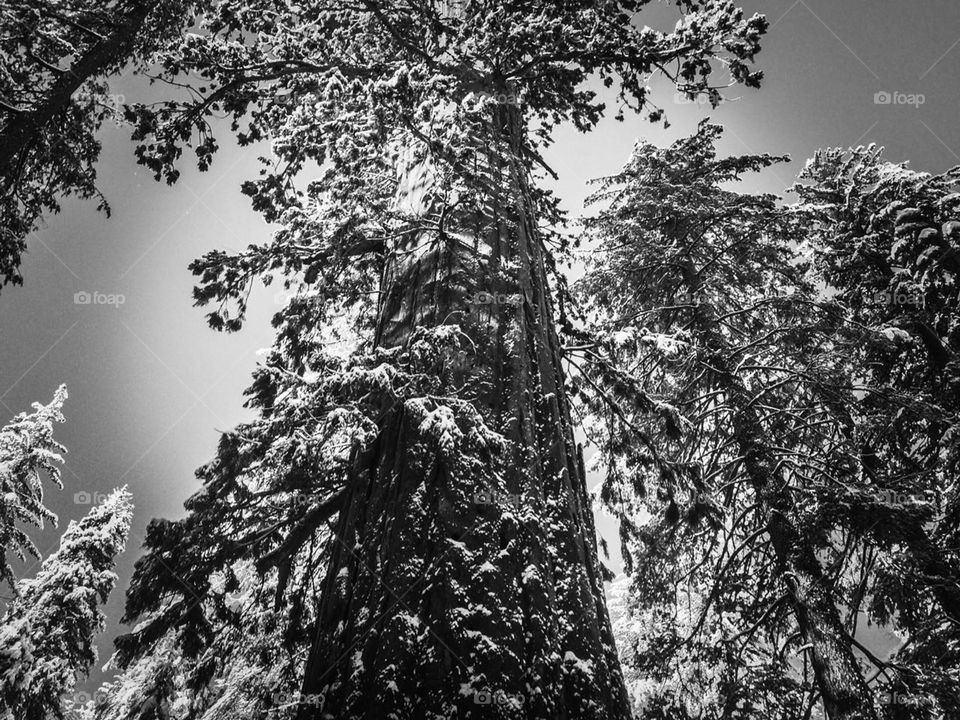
{"x": 55, "y": 57}
{"x": 700, "y": 646}
{"x": 29, "y": 454}
{"x": 885, "y": 241}
{"x": 46, "y": 635}
{"x": 707, "y": 323}
{"x": 456, "y": 566}
{"x": 47, "y": 630}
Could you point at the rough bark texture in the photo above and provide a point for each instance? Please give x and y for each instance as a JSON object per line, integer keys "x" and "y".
{"x": 458, "y": 590}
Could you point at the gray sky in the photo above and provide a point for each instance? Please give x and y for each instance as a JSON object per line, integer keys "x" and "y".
{"x": 151, "y": 386}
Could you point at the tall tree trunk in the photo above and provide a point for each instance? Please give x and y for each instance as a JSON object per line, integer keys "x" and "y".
{"x": 469, "y": 593}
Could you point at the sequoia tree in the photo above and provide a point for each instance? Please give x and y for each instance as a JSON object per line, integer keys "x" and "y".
{"x": 432, "y": 529}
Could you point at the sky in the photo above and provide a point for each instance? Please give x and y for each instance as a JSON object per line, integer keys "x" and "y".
{"x": 152, "y": 387}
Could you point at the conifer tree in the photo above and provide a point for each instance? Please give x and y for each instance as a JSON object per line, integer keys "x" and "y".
{"x": 28, "y": 455}
{"x": 886, "y": 240}
{"x": 55, "y": 60}
{"x": 709, "y": 324}
{"x": 833, "y": 316}
{"x": 46, "y": 635}
{"x": 424, "y": 496}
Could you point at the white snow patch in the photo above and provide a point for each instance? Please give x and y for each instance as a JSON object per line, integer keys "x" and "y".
{"x": 584, "y": 666}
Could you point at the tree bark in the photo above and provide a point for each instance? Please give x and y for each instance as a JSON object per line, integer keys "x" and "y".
{"x": 437, "y": 602}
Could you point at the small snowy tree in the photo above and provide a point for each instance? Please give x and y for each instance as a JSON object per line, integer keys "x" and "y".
{"x": 28, "y": 452}
{"x": 46, "y": 639}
